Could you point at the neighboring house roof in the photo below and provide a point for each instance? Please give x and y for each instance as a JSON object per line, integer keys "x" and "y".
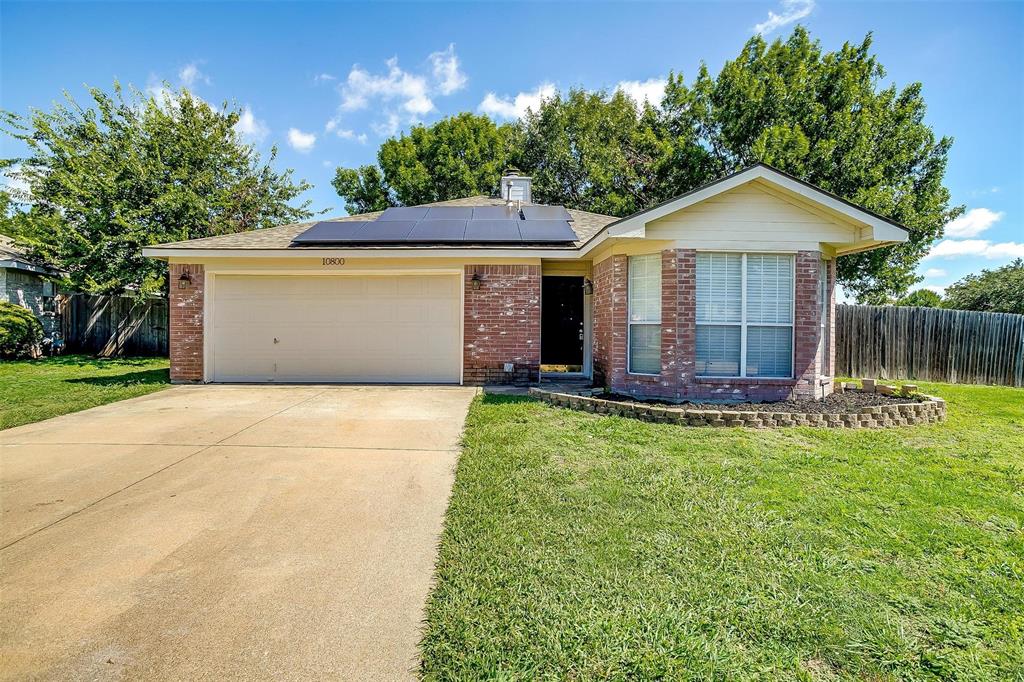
{"x": 592, "y": 229}
{"x": 14, "y": 257}
{"x": 584, "y": 224}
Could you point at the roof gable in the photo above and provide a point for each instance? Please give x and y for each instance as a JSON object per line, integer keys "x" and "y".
{"x": 874, "y": 230}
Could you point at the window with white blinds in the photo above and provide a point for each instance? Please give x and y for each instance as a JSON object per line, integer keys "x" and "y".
{"x": 744, "y": 315}
{"x": 644, "y": 314}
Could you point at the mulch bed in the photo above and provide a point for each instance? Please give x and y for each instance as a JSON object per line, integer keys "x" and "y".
{"x": 836, "y": 403}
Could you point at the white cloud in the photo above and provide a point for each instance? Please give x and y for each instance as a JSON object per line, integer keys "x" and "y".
{"x": 190, "y": 74}
{"x": 516, "y": 107}
{"x": 934, "y": 272}
{"x": 952, "y": 248}
{"x": 300, "y": 141}
{"x": 351, "y": 135}
{"x": 327, "y": 164}
{"x": 973, "y": 223}
{"x": 324, "y": 78}
{"x": 251, "y": 127}
{"x": 389, "y": 126}
{"x": 941, "y": 291}
{"x": 447, "y": 75}
{"x": 651, "y": 90}
{"x": 792, "y": 10}
{"x": 361, "y": 86}
{"x": 402, "y": 96}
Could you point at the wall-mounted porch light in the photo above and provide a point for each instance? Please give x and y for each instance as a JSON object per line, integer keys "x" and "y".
{"x": 588, "y": 287}
{"x": 477, "y": 280}
{"x": 184, "y": 281}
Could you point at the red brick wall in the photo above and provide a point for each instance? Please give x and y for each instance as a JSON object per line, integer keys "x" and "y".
{"x": 186, "y": 324}
{"x": 502, "y": 324}
{"x": 806, "y": 325}
{"x": 678, "y": 335}
{"x": 609, "y": 352}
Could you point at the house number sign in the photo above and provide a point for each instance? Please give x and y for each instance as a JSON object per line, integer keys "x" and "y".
{"x": 334, "y": 261}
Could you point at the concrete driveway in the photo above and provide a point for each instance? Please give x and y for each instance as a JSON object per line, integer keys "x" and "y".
{"x": 225, "y": 532}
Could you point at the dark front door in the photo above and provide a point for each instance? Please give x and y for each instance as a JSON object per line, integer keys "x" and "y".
{"x": 561, "y": 323}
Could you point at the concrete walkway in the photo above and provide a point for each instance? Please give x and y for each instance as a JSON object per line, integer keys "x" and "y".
{"x": 226, "y": 532}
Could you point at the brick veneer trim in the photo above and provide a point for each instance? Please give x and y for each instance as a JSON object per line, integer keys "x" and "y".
{"x": 186, "y": 323}
{"x": 501, "y": 324}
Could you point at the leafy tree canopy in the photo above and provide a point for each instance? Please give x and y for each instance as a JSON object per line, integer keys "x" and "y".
{"x": 995, "y": 291}
{"x": 921, "y": 298}
{"x": 129, "y": 171}
{"x": 456, "y": 157}
{"x": 826, "y": 117}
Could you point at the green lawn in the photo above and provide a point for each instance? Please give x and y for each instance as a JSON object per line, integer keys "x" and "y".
{"x": 32, "y": 390}
{"x": 586, "y": 547}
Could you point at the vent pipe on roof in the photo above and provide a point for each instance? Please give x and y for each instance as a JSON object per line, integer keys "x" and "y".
{"x": 515, "y": 188}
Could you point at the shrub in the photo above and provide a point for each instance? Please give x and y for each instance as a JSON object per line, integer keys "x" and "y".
{"x": 20, "y": 331}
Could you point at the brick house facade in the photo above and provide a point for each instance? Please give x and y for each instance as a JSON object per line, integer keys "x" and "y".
{"x": 186, "y": 323}
{"x": 484, "y": 306}
{"x": 501, "y": 324}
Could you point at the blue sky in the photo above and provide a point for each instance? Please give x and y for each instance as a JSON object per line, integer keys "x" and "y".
{"x": 327, "y": 82}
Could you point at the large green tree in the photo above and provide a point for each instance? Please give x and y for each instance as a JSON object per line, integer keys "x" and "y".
{"x": 456, "y": 157}
{"x": 593, "y": 151}
{"x": 995, "y": 291}
{"x": 131, "y": 170}
{"x": 824, "y": 117}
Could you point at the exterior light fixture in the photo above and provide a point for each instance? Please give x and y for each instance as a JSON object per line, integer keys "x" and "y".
{"x": 588, "y": 287}
{"x": 477, "y": 280}
{"x": 185, "y": 281}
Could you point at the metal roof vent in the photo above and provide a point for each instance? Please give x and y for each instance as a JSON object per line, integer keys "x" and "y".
{"x": 515, "y": 188}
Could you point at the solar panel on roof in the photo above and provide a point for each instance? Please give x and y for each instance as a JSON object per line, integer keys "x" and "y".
{"x": 438, "y": 231}
{"x": 330, "y": 231}
{"x": 493, "y": 231}
{"x": 449, "y": 213}
{"x": 402, "y": 213}
{"x": 546, "y": 231}
{"x": 495, "y": 213}
{"x": 533, "y": 212}
{"x": 385, "y": 231}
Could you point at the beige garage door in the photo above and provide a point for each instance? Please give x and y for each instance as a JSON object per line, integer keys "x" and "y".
{"x": 403, "y": 329}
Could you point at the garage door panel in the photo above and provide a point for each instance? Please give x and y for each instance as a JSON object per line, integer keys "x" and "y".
{"x": 345, "y": 329}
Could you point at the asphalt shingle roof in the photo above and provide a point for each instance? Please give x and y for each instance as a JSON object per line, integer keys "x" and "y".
{"x": 584, "y": 223}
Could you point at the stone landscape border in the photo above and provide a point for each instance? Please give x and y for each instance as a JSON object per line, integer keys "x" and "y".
{"x": 928, "y": 410}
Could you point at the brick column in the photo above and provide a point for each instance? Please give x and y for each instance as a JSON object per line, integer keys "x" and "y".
{"x": 610, "y": 282}
{"x": 502, "y": 324}
{"x": 186, "y": 324}
{"x": 806, "y": 325}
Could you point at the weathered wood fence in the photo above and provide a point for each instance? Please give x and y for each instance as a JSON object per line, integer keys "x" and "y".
{"x": 930, "y": 344}
{"x": 114, "y": 325}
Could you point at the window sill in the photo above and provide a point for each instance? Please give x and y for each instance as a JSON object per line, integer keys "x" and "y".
{"x": 641, "y": 376}
{"x": 746, "y": 380}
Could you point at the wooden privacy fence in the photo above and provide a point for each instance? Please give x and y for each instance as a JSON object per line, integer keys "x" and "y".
{"x": 114, "y": 325}
{"x": 930, "y": 344}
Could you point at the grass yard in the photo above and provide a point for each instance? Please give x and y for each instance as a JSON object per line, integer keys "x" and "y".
{"x": 586, "y": 547}
{"x": 33, "y": 390}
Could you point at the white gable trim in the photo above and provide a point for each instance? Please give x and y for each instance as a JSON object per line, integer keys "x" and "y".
{"x": 634, "y": 227}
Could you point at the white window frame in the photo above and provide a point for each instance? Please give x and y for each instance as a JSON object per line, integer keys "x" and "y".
{"x": 743, "y": 323}
{"x": 629, "y": 317}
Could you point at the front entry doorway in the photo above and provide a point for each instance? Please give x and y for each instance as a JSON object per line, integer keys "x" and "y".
{"x": 562, "y": 324}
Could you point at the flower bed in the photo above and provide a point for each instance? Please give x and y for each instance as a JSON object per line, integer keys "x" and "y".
{"x": 905, "y": 411}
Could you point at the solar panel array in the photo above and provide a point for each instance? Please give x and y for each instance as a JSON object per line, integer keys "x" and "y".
{"x": 449, "y": 225}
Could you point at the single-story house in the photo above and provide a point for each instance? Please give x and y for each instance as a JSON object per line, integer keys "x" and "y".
{"x": 724, "y": 292}
{"x": 29, "y": 283}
